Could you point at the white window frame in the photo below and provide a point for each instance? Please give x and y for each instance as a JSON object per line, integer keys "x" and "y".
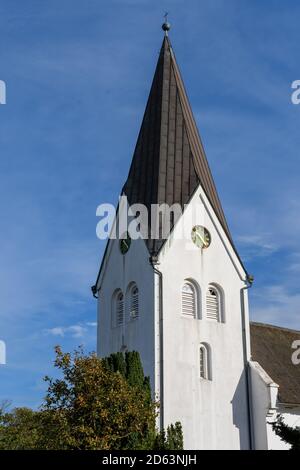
{"x": 129, "y": 302}
{"x": 117, "y": 315}
{"x": 204, "y": 362}
{"x": 120, "y": 311}
{"x": 194, "y": 290}
{"x": 134, "y": 303}
{"x": 220, "y": 304}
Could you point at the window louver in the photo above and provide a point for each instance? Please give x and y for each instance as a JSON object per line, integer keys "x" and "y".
{"x": 120, "y": 309}
{"x": 203, "y": 363}
{"x": 134, "y": 307}
{"x": 212, "y": 304}
{"x": 188, "y": 300}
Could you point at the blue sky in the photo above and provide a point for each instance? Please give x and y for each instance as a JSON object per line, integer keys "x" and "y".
{"x": 78, "y": 75}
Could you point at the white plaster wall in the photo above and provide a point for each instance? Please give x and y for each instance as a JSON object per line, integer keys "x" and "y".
{"x": 265, "y": 409}
{"x": 118, "y": 272}
{"x": 261, "y": 404}
{"x": 213, "y": 413}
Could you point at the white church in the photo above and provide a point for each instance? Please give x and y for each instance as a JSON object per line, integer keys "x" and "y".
{"x": 182, "y": 302}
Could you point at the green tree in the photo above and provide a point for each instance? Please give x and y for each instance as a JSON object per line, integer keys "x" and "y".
{"x": 130, "y": 366}
{"x": 95, "y": 404}
{"x": 286, "y": 433}
{"x": 174, "y": 439}
{"x": 20, "y": 429}
{"x": 93, "y": 407}
{"x": 134, "y": 369}
{"x": 116, "y": 363}
{"x": 170, "y": 440}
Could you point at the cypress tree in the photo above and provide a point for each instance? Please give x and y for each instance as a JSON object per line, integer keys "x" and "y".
{"x": 119, "y": 364}
{"x": 286, "y": 433}
{"x": 130, "y": 367}
{"x": 116, "y": 363}
{"x": 170, "y": 440}
{"x": 174, "y": 437}
{"x": 134, "y": 369}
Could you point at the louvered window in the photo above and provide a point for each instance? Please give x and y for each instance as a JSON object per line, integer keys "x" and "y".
{"x": 203, "y": 362}
{"x": 134, "y": 303}
{"x": 119, "y": 309}
{"x": 205, "y": 365}
{"x": 188, "y": 300}
{"x": 213, "y": 304}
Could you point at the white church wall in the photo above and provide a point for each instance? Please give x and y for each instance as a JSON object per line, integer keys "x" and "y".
{"x": 264, "y": 398}
{"x": 265, "y": 409}
{"x": 213, "y": 412}
{"x": 137, "y": 334}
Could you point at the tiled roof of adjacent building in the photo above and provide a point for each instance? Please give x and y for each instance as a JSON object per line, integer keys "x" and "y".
{"x": 169, "y": 161}
{"x": 271, "y": 347}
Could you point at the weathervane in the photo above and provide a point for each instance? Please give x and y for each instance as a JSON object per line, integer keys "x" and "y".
{"x": 166, "y": 26}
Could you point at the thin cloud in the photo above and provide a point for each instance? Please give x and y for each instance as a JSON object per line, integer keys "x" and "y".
{"x": 255, "y": 246}
{"x": 75, "y": 331}
{"x": 57, "y": 331}
{"x": 272, "y": 303}
{"x": 93, "y": 323}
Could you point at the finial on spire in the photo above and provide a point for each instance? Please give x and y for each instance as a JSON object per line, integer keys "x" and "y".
{"x": 166, "y": 26}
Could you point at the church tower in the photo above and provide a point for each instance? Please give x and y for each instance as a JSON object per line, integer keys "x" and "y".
{"x": 180, "y": 298}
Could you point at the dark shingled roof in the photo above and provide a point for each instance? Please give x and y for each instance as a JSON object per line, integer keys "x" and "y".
{"x": 169, "y": 161}
{"x": 271, "y": 347}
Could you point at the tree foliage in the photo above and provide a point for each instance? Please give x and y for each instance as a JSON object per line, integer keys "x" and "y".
{"x": 94, "y": 407}
{"x": 170, "y": 440}
{"x": 286, "y": 433}
{"x": 20, "y": 429}
{"x": 130, "y": 367}
{"x": 95, "y": 404}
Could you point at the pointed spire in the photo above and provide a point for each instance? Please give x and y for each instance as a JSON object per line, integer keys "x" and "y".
{"x": 169, "y": 161}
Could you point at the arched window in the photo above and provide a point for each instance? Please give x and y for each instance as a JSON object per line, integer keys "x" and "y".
{"x": 189, "y": 300}
{"x": 213, "y": 303}
{"x": 117, "y": 308}
{"x": 204, "y": 362}
{"x": 134, "y": 303}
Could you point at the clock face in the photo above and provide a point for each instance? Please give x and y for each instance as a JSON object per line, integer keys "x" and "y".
{"x": 125, "y": 243}
{"x": 201, "y": 236}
